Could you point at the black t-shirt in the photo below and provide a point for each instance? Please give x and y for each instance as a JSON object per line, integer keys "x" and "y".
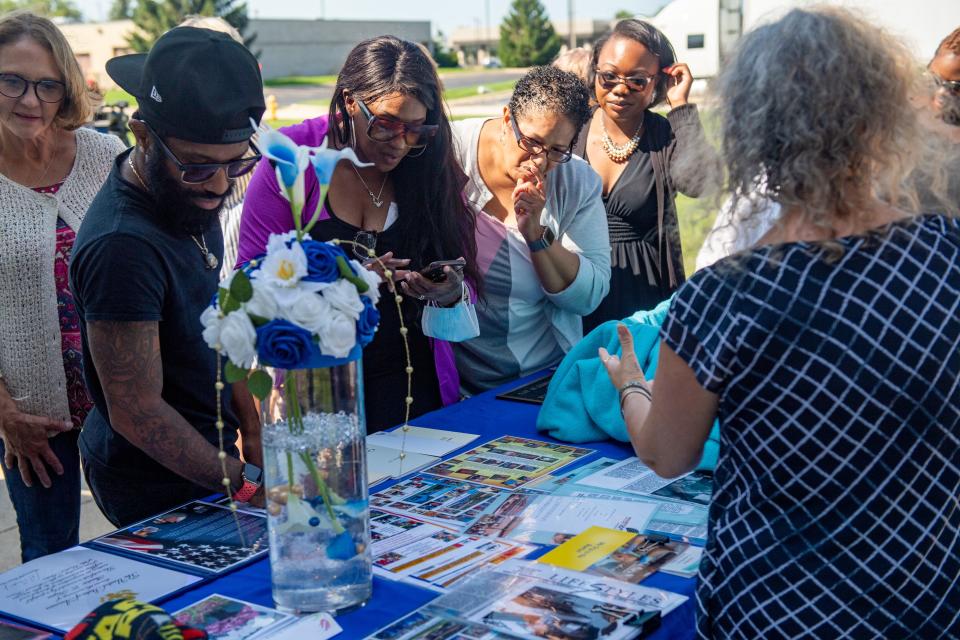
{"x": 129, "y": 266}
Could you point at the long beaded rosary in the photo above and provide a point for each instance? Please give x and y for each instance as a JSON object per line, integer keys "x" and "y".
{"x": 408, "y": 400}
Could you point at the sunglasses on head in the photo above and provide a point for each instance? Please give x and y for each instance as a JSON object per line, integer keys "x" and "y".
{"x": 608, "y": 80}
{"x": 535, "y": 148}
{"x": 385, "y": 129}
{"x": 200, "y": 172}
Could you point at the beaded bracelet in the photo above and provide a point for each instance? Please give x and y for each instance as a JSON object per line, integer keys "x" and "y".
{"x": 634, "y": 386}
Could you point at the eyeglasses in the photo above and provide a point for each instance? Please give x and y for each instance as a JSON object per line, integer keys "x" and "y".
{"x": 608, "y": 80}
{"x": 536, "y": 148}
{"x": 200, "y": 172}
{"x": 382, "y": 129}
{"x": 950, "y": 86}
{"x": 367, "y": 241}
{"x": 13, "y": 86}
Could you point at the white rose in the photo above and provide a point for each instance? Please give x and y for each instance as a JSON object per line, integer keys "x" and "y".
{"x": 239, "y": 339}
{"x": 264, "y": 301}
{"x": 372, "y": 279}
{"x": 343, "y": 296}
{"x": 210, "y": 319}
{"x": 309, "y": 311}
{"x": 278, "y": 241}
{"x": 282, "y": 269}
{"x": 338, "y": 335}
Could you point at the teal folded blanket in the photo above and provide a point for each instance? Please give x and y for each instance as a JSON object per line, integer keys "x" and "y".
{"x": 583, "y": 406}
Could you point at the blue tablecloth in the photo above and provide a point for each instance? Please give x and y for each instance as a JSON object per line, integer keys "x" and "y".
{"x": 489, "y": 417}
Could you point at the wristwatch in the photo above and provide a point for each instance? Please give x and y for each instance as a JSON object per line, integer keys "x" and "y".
{"x": 546, "y": 239}
{"x": 252, "y": 477}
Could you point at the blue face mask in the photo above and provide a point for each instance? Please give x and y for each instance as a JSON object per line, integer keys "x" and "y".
{"x": 452, "y": 324}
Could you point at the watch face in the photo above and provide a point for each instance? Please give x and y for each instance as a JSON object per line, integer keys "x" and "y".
{"x": 548, "y": 235}
{"x": 253, "y": 473}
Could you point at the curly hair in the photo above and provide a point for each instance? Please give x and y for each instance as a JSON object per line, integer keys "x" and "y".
{"x": 551, "y": 90}
{"x": 651, "y": 38}
{"x": 951, "y": 43}
{"x": 815, "y": 112}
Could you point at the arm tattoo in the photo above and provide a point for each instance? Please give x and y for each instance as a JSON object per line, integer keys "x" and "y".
{"x": 128, "y": 363}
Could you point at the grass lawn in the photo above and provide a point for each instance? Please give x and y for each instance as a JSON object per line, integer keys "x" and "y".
{"x": 300, "y": 81}
{"x": 469, "y": 92}
{"x": 281, "y": 122}
{"x": 116, "y": 94}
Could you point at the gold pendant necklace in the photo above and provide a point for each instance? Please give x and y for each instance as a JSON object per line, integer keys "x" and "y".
{"x": 209, "y": 260}
{"x": 376, "y": 199}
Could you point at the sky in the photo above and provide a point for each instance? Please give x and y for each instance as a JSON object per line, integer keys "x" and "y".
{"x": 445, "y": 15}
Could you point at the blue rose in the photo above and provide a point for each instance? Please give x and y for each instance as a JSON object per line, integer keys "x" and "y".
{"x": 367, "y": 322}
{"x": 283, "y": 344}
{"x": 322, "y": 261}
{"x": 342, "y": 547}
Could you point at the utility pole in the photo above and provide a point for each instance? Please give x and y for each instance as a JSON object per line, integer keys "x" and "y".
{"x": 572, "y": 43}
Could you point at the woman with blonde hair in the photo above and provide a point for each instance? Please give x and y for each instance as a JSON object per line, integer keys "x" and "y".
{"x": 50, "y": 170}
{"x": 830, "y": 354}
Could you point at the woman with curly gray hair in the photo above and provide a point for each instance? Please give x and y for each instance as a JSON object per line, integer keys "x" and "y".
{"x": 541, "y": 229}
{"x": 830, "y": 354}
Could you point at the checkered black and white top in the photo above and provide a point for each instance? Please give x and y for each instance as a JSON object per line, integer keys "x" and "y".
{"x": 836, "y": 506}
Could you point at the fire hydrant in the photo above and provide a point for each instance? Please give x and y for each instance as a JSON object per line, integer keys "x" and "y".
{"x": 272, "y": 106}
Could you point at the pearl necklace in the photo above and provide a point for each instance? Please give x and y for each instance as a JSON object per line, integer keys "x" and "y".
{"x": 619, "y": 153}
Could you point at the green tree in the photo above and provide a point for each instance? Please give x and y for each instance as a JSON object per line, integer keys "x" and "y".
{"x": 526, "y": 35}
{"x": 443, "y": 56}
{"x": 623, "y": 14}
{"x": 120, "y": 10}
{"x": 48, "y": 8}
{"x": 153, "y": 18}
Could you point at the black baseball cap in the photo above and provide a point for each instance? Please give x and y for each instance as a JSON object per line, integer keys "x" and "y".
{"x": 194, "y": 84}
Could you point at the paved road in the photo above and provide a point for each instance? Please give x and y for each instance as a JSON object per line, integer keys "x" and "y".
{"x": 291, "y": 95}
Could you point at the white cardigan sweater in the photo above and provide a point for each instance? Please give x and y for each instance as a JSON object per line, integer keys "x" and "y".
{"x": 31, "y": 360}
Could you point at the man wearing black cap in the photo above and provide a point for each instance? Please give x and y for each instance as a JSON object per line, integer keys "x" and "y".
{"x": 145, "y": 265}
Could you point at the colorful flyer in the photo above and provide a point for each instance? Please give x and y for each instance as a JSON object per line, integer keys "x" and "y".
{"x": 632, "y": 476}
{"x": 10, "y": 631}
{"x": 225, "y": 618}
{"x": 199, "y": 535}
{"x": 543, "y": 519}
{"x": 444, "y": 501}
{"x": 508, "y": 462}
{"x": 422, "y": 625}
{"x": 620, "y": 555}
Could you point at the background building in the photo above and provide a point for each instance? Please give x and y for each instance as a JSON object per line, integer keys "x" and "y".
{"x": 703, "y": 32}
{"x": 478, "y": 45}
{"x": 287, "y": 47}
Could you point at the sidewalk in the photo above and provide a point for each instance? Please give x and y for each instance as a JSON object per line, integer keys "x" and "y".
{"x": 92, "y": 525}
{"x": 488, "y": 104}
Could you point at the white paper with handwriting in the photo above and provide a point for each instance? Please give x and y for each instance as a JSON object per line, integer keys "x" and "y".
{"x": 60, "y": 589}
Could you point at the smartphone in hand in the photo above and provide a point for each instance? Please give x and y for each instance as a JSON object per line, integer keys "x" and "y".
{"x": 434, "y": 271}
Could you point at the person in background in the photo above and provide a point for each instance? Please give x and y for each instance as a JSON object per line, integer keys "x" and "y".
{"x": 233, "y": 205}
{"x": 145, "y": 267}
{"x": 50, "y": 170}
{"x": 945, "y": 70}
{"x": 541, "y": 230}
{"x": 643, "y": 159}
{"x": 388, "y": 107}
{"x": 830, "y": 354}
{"x": 577, "y": 61}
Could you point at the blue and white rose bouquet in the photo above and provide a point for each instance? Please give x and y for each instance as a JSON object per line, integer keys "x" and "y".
{"x": 304, "y": 303}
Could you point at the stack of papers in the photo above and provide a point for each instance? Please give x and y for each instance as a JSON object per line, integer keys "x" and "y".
{"x": 420, "y": 447}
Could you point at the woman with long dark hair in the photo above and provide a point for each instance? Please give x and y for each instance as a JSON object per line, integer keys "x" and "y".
{"x": 407, "y": 206}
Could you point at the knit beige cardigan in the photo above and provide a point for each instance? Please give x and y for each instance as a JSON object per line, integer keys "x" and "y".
{"x": 31, "y": 360}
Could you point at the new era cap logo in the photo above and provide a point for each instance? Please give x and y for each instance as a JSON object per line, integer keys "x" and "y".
{"x": 155, "y": 94}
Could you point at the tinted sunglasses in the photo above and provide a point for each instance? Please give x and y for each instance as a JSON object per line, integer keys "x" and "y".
{"x": 608, "y": 80}
{"x": 383, "y": 129}
{"x": 950, "y": 86}
{"x": 14, "y": 86}
{"x": 200, "y": 172}
{"x": 535, "y": 148}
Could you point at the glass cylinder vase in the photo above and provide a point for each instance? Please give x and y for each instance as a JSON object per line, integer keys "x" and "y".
{"x": 316, "y": 485}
